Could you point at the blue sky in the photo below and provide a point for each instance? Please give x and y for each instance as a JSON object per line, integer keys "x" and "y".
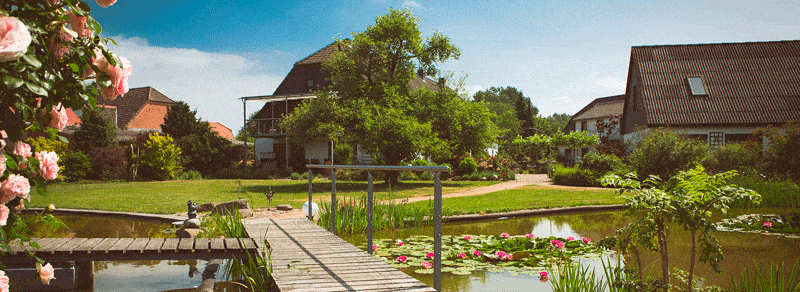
{"x": 561, "y": 54}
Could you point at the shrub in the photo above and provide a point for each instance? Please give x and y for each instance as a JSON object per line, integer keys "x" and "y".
{"x": 75, "y": 165}
{"x": 419, "y": 162}
{"x": 783, "y": 157}
{"x": 446, "y": 174}
{"x": 191, "y": 175}
{"x": 304, "y": 176}
{"x": 344, "y": 174}
{"x": 600, "y": 163}
{"x": 108, "y": 163}
{"x": 44, "y": 144}
{"x": 573, "y": 176}
{"x": 160, "y": 158}
{"x": 426, "y": 175}
{"x": 343, "y": 154}
{"x": 475, "y": 177}
{"x": 248, "y": 172}
{"x": 407, "y": 175}
{"x": 296, "y": 176}
{"x": 664, "y": 153}
{"x": 776, "y": 193}
{"x": 467, "y": 166}
{"x": 745, "y": 157}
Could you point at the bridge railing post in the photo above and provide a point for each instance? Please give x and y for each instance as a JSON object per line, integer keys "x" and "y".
{"x": 333, "y": 201}
{"x": 310, "y": 193}
{"x": 369, "y": 212}
{"x": 437, "y": 231}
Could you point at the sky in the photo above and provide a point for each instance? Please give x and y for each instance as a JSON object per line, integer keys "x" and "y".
{"x": 561, "y": 54}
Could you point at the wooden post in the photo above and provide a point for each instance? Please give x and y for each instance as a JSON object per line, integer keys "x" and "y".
{"x": 84, "y": 276}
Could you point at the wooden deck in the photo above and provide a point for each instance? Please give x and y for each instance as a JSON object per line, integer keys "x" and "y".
{"x": 307, "y": 257}
{"x": 127, "y": 249}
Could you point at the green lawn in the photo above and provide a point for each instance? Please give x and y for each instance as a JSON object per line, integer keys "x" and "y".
{"x": 524, "y": 198}
{"x": 170, "y": 197}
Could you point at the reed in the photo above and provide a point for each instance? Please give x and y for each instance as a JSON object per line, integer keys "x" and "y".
{"x": 776, "y": 278}
{"x": 572, "y": 277}
{"x": 351, "y": 215}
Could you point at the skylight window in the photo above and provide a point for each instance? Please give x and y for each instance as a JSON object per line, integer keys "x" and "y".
{"x": 696, "y": 85}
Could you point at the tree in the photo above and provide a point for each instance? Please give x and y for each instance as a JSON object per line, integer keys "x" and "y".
{"x": 514, "y": 113}
{"x": 552, "y": 124}
{"x": 160, "y": 158}
{"x": 96, "y": 131}
{"x": 180, "y": 121}
{"x": 203, "y": 149}
{"x": 373, "y": 105}
{"x": 664, "y": 153}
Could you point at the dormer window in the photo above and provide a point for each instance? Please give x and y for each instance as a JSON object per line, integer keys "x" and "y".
{"x": 696, "y": 85}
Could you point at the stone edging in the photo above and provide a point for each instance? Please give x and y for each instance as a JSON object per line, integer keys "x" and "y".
{"x": 131, "y": 215}
{"x": 519, "y": 213}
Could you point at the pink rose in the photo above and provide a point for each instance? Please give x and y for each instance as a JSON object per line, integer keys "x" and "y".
{"x": 570, "y": 238}
{"x": 106, "y": 3}
{"x": 3, "y": 282}
{"x": 529, "y": 235}
{"x": 48, "y": 167}
{"x": 4, "y": 211}
{"x": 559, "y": 245}
{"x": 58, "y": 117}
{"x": 427, "y": 265}
{"x": 467, "y": 237}
{"x": 78, "y": 24}
{"x": 118, "y": 74}
{"x": 2, "y": 163}
{"x": 462, "y": 256}
{"x": 54, "y": 2}
{"x": 501, "y": 254}
{"x": 46, "y": 274}
{"x": 477, "y": 253}
{"x": 429, "y": 255}
{"x": 586, "y": 240}
{"x": 14, "y": 186}
{"x": 402, "y": 259}
{"x": 22, "y": 149}
{"x": 504, "y": 235}
{"x": 14, "y": 38}
{"x": 56, "y": 44}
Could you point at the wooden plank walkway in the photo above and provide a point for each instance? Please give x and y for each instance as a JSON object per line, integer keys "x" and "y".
{"x": 127, "y": 249}
{"x": 307, "y": 257}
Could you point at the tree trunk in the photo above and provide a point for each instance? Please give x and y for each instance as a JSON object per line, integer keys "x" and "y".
{"x": 393, "y": 177}
{"x": 691, "y": 261}
{"x": 662, "y": 244}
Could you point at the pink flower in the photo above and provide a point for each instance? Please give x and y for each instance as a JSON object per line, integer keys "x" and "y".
{"x": 14, "y": 38}
{"x": 374, "y": 248}
{"x": 427, "y": 265}
{"x": 543, "y": 274}
{"x": 400, "y": 243}
{"x": 462, "y": 256}
{"x": 106, "y": 3}
{"x": 58, "y": 117}
{"x": 586, "y": 240}
{"x": 570, "y": 238}
{"x": 767, "y": 224}
{"x": 118, "y": 74}
{"x": 56, "y": 44}
{"x": 477, "y": 253}
{"x": 501, "y": 254}
{"x": 429, "y": 255}
{"x": 78, "y": 24}
{"x": 46, "y": 274}
{"x": 14, "y": 186}
{"x": 509, "y": 257}
{"x": 402, "y": 259}
{"x": 529, "y": 235}
{"x": 555, "y": 241}
{"x": 3, "y": 282}
{"x": 4, "y": 211}
{"x": 504, "y": 235}
{"x": 22, "y": 149}
{"x": 559, "y": 245}
{"x": 48, "y": 167}
{"x": 467, "y": 237}
{"x": 3, "y": 137}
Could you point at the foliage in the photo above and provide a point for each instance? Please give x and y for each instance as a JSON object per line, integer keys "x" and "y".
{"x": 664, "y": 153}
{"x": 191, "y": 175}
{"x": 575, "y": 176}
{"x": 351, "y": 215}
{"x": 572, "y": 277}
{"x": 343, "y": 154}
{"x": 744, "y": 157}
{"x": 202, "y": 148}
{"x": 552, "y": 124}
{"x": 513, "y": 112}
{"x": 775, "y": 192}
{"x": 782, "y": 156}
{"x": 108, "y": 163}
{"x": 601, "y": 163}
{"x": 783, "y": 224}
{"x": 160, "y": 158}
{"x": 688, "y": 199}
{"x": 769, "y": 279}
{"x": 468, "y": 165}
{"x": 44, "y": 144}
{"x": 96, "y": 131}
{"x": 75, "y": 165}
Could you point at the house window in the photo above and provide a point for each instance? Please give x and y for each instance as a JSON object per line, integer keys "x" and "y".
{"x": 696, "y": 85}
{"x": 583, "y": 126}
{"x": 716, "y": 139}
{"x": 310, "y": 83}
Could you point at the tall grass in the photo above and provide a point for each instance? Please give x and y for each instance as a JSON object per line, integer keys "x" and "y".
{"x": 777, "y": 193}
{"x": 351, "y": 215}
{"x": 571, "y": 277}
{"x": 770, "y": 279}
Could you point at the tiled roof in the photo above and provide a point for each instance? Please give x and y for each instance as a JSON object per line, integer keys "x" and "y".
{"x": 222, "y": 130}
{"x": 320, "y": 56}
{"x": 747, "y": 83}
{"x": 602, "y": 107}
{"x": 149, "y": 117}
{"x": 133, "y": 102}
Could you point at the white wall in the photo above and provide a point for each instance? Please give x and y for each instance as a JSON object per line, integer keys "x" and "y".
{"x": 317, "y": 150}
{"x": 263, "y": 146}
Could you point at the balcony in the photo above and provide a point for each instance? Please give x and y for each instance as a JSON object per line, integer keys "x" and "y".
{"x": 265, "y": 128}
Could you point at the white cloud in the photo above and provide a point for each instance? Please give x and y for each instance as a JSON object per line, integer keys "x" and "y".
{"x": 410, "y": 4}
{"x": 611, "y": 82}
{"x": 208, "y": 82}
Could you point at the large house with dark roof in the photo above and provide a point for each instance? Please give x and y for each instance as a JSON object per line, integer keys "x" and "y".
{"x": 306, "y": 77}
{"x": 607, "y": 110}
{"x": 716, "y": 92}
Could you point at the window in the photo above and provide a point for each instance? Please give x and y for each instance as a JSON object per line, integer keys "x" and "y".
{"x": 696, "y": 85}
{"x": 583, "y": 126}
{"x": 716, "y": 139}
{"x": 310, "y": 83}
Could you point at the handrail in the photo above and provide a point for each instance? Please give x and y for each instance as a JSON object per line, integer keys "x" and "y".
{"x": 437, "y": 204}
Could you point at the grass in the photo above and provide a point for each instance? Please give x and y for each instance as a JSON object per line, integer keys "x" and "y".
{"x": 525, "y": 198}
{"x": 777, "y": 193}
{"x": 170, "y": 197}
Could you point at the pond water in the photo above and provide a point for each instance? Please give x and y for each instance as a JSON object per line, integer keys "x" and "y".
{"x": 169, "y": 275}
{"x": 742, "y": 250}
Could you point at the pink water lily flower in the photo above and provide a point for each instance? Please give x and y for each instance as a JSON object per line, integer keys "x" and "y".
{"x": 374, "y": 248}
{"x": 477, "y": 253}
{"x": 543, "y": 275}
{"x": 501, "y": 254}
{"x": 504, "y": 235}
{"x": 427, "y": 265}
{"x": 767, "y": 224}
{"x": 462, "y": 256}
{"x": 429, "y": 255}
{"x": 586, "y": 240}
{"x": 570, "y": 238}
{"x": 46, "y": 273}
{"x": 555, "y": 241}
{"x": 400, "y": 243}
{"x": 402, "y": 259}
{"x": 467, "y": 237}
{"x": 509, "y": 257}
{"x": 529, "y": 235}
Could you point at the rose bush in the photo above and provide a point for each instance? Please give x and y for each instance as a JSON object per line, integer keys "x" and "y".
{"x": 51, "y": 58}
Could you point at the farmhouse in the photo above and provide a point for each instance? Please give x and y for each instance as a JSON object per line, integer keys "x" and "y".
{"x": 600, "y": 118}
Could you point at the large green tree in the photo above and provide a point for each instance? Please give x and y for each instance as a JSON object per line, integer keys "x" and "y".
{"x": 202, "y": 149}
{"x": 372, "y": 104}
{"x": 551, "y": 125}
{"x": 514, "y": 113}
{"x": 96, "y": 131}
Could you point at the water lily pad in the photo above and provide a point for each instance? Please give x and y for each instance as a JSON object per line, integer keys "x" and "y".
{"x": 424, "y": 271}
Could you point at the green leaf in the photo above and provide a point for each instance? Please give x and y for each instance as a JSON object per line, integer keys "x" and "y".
{"x": 36, "y": 89}
{"x": 84, "y": 6}
{"x": 32, "y": 60}
{"x": 12, "y": 82}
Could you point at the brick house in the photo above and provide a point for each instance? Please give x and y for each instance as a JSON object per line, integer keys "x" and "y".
{"x": 719, "y": 93}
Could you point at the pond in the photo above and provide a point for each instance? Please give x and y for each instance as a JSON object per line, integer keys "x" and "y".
{"x": 742, "y": 250}
{"x": 168, "y": 275}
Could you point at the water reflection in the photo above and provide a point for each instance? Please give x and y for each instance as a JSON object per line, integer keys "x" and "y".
{"x": 84, "y": 226}
{"x": 742, "y": 250}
